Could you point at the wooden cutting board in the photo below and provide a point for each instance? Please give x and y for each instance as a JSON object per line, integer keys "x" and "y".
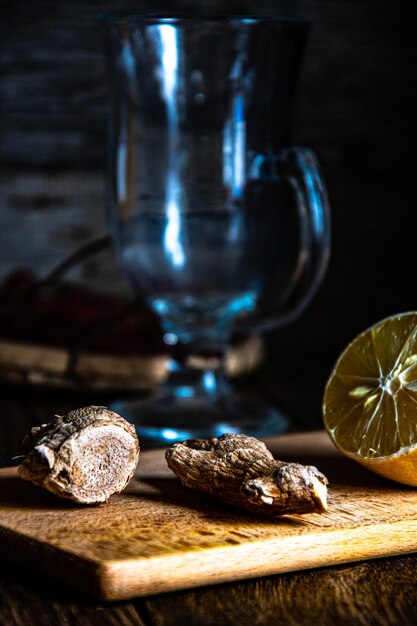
{"x": 160, "y": 536}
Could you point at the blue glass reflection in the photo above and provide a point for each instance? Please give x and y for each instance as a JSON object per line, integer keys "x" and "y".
{"x": 128, "y": 58}
{"x": 184, "y": 391}
{"x": 160, "y": 306}
{"x": 209, "y": 382}
{"x": 169, "y": 434}
{"x": 222, "y": 429}
{"x": 170, "y": 339}
{"x": 234, "y": 148}
{"x": 169, "y": 60}
{"x": 121, "y": 168}
{"x": 169, "y": 85}
{"x": 316, "y": 205}
{"x": 245, "y": 304}
{"x": 239, "y": 147}
{"x": 172, "y": 241}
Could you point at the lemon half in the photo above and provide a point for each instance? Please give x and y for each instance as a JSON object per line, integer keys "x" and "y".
{"x": 370, "y": 400}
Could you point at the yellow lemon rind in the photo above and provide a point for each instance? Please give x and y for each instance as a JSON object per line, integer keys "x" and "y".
{"x": 400, "y": 467}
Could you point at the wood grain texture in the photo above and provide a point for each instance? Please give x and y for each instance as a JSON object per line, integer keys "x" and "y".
{"x": 376, "y": 593}
{"x": 159, "y": 536}
{"x": 29, "y": 601}
{"x": 379, "y": 593}
{"x": 354, "y": 107}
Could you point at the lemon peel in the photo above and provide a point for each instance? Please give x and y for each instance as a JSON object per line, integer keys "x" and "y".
{"x": 370, "y": 400}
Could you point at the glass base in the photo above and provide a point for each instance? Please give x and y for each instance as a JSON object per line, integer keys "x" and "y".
{"x": 168, "y": 417}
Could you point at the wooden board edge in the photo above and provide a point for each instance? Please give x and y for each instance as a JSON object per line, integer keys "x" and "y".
{"x": 123, "y": 580}
{"x": 79, "y": 573}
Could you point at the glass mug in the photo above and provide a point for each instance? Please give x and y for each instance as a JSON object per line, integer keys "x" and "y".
{"x": 218, "y": 223}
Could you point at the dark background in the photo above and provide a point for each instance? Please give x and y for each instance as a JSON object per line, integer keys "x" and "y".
{"x": 356, "y": 109}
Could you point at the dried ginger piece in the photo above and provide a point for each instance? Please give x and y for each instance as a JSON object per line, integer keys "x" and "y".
{"x": 85, "y": 456}
{"x": 241, "y": 471}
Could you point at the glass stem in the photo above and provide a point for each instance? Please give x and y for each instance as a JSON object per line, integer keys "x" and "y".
{"x": 193, "y": 375}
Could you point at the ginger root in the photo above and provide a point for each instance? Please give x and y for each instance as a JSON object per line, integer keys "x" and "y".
{"x": 85, "y": 456}
{"x": 241, "y": 471}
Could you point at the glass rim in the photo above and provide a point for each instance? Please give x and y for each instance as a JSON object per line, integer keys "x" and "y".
{"x": 126, "y": 19}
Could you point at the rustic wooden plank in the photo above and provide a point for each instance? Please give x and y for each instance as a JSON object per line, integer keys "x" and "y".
{"x": 355, "y": 106}
{"x": 46, "y": 216}
{"x": 381, "y": 592}
{"x": 15, "y": 421}
{"x": 159, "y": 536}
{"x": 376, "y": 593}
{"x": 29, "y": 601}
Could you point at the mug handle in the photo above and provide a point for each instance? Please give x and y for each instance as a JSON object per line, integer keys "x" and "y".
{"x": 299, "y": 167}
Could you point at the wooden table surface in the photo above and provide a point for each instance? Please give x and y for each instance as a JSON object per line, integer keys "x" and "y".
{"x": 375, "y": 592}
